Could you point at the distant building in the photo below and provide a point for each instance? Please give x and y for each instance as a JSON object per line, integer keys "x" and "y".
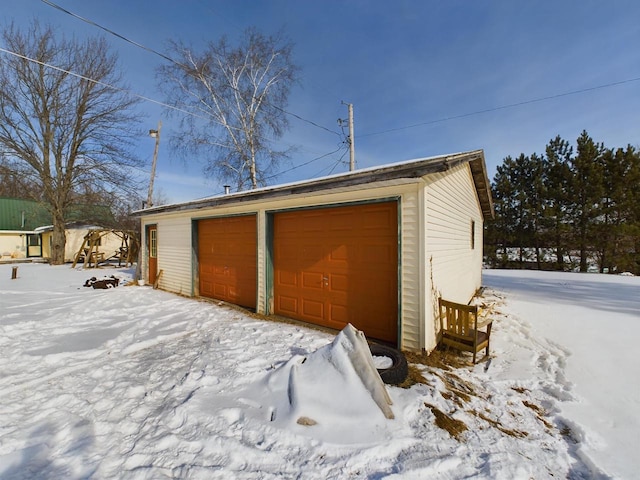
{"x": 18, "y": 221}
{"x": 26, "y": 229}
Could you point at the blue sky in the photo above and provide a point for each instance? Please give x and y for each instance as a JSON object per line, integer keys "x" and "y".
{"x": 416, "y": 72}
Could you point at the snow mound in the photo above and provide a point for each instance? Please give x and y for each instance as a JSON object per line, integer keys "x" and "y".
{"x": 335, "y": 393}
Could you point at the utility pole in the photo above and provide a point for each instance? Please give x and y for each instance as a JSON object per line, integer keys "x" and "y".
{"x": 154, "y": 134}
{"x": 352, "y": 141}
{"x": 351, "y": 138}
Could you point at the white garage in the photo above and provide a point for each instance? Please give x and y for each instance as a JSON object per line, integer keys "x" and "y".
{"x": 375, "y": 247}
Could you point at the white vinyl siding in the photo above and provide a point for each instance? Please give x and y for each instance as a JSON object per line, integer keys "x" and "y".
{"x": 409, "y": 256}
{"x": 452, "y": 207}
{"x": 174, "y": 255}
{"x": 261, "y": 263}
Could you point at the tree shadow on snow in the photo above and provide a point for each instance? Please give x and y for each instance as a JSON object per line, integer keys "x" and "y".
{"x": 46, "y": 459}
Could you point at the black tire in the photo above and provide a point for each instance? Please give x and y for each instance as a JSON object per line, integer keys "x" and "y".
{"x": 398, "y": 371}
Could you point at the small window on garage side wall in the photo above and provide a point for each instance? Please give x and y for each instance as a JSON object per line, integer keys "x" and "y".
{"x": 473, "y": 234}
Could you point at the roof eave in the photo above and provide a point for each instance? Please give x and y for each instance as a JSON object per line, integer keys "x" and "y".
{"x": 410, "y": 170}
{"x": 483, "y": 187}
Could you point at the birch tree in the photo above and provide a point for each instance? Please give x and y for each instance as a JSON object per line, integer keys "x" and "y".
{"x": 237, "y": 95}
{"x": 65, "y": 121}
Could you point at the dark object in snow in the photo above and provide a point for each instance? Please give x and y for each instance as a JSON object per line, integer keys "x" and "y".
{"x": 104, "y": 283}
{"x": 398, "y": 371}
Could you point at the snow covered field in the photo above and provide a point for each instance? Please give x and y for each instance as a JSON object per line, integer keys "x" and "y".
{"x": 134, "y": 383}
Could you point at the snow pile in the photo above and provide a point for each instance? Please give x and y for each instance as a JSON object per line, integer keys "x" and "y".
{"x": 334, "y": 393}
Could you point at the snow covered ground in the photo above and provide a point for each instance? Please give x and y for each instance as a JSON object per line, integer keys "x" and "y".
{"x": 133, "y": 383}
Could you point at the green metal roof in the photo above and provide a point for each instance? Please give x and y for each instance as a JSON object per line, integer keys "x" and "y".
{"x": 22, "y": 215}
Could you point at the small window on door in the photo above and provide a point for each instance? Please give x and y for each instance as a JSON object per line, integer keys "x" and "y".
{"x": 34, "y": 240}
{"x": 153, "y": 243}
{"x": 473, "y": 234}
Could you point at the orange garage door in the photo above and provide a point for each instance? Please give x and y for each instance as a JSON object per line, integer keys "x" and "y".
{"x": 227, "y": 259}
{"x": 339, "y": 265}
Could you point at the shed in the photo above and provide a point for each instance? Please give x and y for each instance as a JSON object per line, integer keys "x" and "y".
{"x": 374, "y": 247}
{"x": 109, "y": 242}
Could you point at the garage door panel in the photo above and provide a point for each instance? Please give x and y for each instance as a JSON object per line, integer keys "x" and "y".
{"x": 227, "y": 259}
{"x": 288, "y": 250}
{"x": 312, "y": 280}
{"x": 287, "y": 305}
{"x": 311, "y": 253}
{"x": 339, "y": 314}
{"x": 347, "y": 262}
{"x": 286, "y": 278}
{"x": 308, "y": 223}
{"x": 373, "y": 254}
{"x": 312, "y": 310}
{"x": 378, "y": 219}
{"x": 218, "y": 269}
{"x": 288, "y": 225}
{"x": 341, "y": 221}
{"x": 338, "y": 283}
{"x": 339, "y": 253}
{"x": 219, "y": 291}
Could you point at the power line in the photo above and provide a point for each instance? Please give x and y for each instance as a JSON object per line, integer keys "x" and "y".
{"x": 289, "y": 170}
{"x": 305, "y": 120}
{"x": 165, "y": 57}
{"x": 98, "y": 82}
{"x": 305, "y": 163}
{"x": 502, "y": 107}
{"x": 115, "y": 34}
{"x": 337, "y": 163}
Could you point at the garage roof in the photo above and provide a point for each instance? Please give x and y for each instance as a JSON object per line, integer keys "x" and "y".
{"x": 404, "y": 170}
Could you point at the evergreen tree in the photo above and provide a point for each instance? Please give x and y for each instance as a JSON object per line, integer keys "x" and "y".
{"x": 618, "y": 227}
{"x": 587, "y": 190}
{"x": 587, "y": 202}
{"x": 557, "y": 175}
{"x": 633, "y": 202}
{"x": 531, "y": 180}
{"x": 518, "y": 197}
{"x": 501, "y": 230}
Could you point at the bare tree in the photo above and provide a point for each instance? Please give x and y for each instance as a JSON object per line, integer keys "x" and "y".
{"x": 12, "y": 185}
{"x": 65, "y": 120}
{"x": 237, "y": 94}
